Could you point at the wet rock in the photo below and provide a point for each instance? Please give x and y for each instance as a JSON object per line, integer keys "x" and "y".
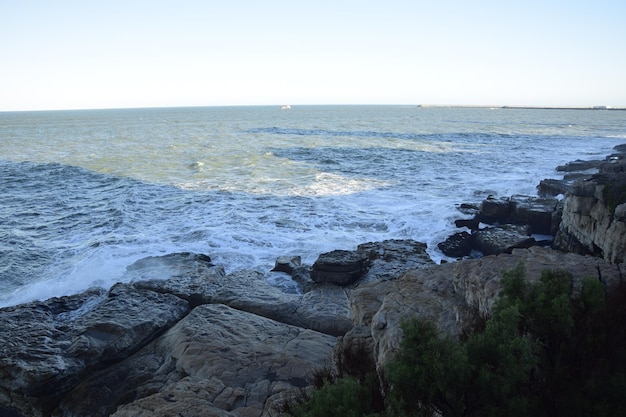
{"x": 551, "y": 187}
{"x": 457, "y": 245}
{"x": 580, "y": 165}
{"x": 51, "y": 345}
{"x": 472, "y": 224}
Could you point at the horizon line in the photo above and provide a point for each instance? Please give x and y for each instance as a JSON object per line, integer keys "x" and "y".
{"x": 497, "y": 106}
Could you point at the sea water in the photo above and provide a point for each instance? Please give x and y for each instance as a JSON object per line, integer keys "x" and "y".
{"x": 84, "y": 194}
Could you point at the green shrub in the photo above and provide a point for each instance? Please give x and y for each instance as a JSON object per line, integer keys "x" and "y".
{"x": 551, "y": 348}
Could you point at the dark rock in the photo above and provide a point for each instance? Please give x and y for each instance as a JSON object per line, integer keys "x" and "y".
{"x": 502, "y": 239}
{"x": 214, "y": 361}
{"x": 620, "y": 148}
{"x": 580, "y": 165}
{"x": 537, "y": 213}
{"x": 615, "y": 164}
{"x": 471, "y": 224}
{"x": 340, "y": 267}
{"x": 469, "y": 209}
{"x": 457, "y": 246}
{"x": 495, "y": 210}
{"x": 550, "y": 187}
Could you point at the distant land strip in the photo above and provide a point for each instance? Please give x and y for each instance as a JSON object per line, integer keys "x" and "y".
{"x": 525, "y": 107}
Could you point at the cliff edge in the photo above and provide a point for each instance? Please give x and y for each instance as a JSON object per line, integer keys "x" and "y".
{"x": 594, "y": 213}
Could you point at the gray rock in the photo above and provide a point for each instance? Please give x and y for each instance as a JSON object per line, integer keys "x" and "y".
{"x": 217, "y": 361}
{"x": 502, "y": 239}
{"x": 580, "y": 165}
{"x": 287, "y": 264}
{"x": 390, "y": 259}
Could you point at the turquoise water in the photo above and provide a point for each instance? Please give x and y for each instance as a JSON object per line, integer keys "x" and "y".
{"x": 86, "y": 193}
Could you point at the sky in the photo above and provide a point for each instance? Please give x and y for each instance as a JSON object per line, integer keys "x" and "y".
{"x": 65, "y": 54}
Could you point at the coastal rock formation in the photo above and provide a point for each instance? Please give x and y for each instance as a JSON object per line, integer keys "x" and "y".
{"x": 49, "y": 346}
{"x": 183, "y": 338}
{"x": 590, "y": 219}
{"x": 199, "y": 341}
{"x": 217, "y": 361}
{"x": 594, "y": 213}
{"x": 513, "y": 221}
{"x": 451, "y": 294}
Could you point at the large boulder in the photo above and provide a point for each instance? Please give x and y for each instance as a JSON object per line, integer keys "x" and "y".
{"x": 457, "y": 245}
{"x": 540, "y": 214}
{"x": 390, "y": 259}
{"x": 495, "y": 210}
{"x": 339, "y": 267}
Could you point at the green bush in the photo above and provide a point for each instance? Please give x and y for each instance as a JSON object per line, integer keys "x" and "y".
{"x": 553, "y": 347}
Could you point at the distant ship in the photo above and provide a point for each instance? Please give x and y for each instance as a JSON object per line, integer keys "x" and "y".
{"x": 285, "y": 107}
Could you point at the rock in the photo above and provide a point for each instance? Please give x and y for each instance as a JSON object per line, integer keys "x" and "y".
{"x": 495, "y": 210}
{"x": 472, "y": 224}
{"x": 478, "y": 280}
{"x": 51, "y": 345}
{"x": 287, "y": 264}
{"x": 579, "y": 165}
{"x": 449, "y": 294}
{"x": 589, "y": 223}
{"x": 182, "y": 276}
{"x": 537, "y": 213}
{"x": 326, "y": 309}
{"x": 457, "y": 245}
{"x": 382, "y": 306}
{"x": 390, "y": 259}
{"x": 339, "y": 267}
{"x": 217, "y": 361}
{"x": 469, "y": 209}
{"x": 502, "y": 239}
{"x": 551, "y": 187}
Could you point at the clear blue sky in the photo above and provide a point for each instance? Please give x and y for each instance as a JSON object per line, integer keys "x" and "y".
{"x": 135, "y": 53}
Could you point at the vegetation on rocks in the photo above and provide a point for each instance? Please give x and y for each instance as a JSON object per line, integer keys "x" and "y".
{"x": 553, "y": 347}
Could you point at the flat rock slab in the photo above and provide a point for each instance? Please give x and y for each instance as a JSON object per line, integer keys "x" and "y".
{"x": 217, "y": 361}
{"x": 502, "y": 239}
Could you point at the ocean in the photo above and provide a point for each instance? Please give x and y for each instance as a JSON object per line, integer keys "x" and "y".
{"x": 86, "y": 193}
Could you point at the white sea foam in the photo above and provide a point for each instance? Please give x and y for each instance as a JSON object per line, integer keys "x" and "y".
{"x": 103, "y": 189}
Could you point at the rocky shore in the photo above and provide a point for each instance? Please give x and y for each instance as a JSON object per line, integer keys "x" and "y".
{"x": 183, "y": 338}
